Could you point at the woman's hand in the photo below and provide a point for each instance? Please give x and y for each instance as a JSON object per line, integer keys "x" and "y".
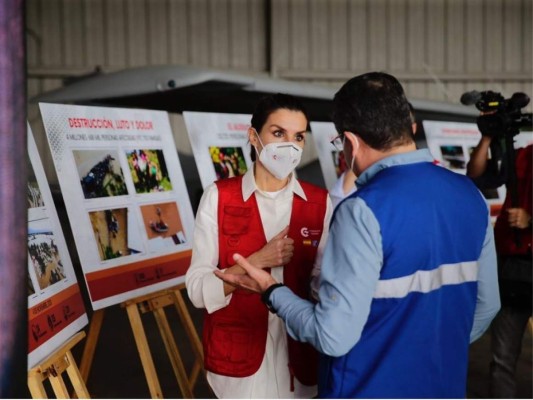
{"x": 276, "y": 253}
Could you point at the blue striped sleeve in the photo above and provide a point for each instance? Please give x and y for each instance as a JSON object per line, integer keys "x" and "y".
{"x": 350, "y": 272}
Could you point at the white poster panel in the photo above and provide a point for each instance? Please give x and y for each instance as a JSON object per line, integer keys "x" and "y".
{"x": 219, "y": 143}
{"x": 451, "y": 144}
{"x": 55, "y": 305}
{"x": 125, "y": 196}
{"x": 332, "y": 162}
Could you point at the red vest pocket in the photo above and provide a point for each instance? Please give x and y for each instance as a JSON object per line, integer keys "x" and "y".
{"x": 236, "y": 220}
{"x": 232, "y": 349}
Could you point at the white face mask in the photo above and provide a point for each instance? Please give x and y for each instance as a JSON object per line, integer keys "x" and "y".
{"x": 357, "y": 148}
{"x": 279, "y": 158}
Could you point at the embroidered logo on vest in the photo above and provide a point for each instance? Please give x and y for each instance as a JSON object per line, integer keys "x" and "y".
{"x": 306, "y": 232}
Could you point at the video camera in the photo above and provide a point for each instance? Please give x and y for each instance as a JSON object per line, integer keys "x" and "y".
{"x": 502, "y": 117}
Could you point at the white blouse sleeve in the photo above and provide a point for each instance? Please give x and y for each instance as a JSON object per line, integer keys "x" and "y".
{"x": 204, "y": 289}
{"x": 315, "y": 273}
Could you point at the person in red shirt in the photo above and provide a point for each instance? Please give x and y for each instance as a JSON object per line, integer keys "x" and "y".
{"x": 513, "y": 238}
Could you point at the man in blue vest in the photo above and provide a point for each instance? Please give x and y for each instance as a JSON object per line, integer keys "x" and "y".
{"x": 409, "y": 274}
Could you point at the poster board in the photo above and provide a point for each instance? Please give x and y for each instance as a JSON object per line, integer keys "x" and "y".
{"x": 451, "y": 144}
{"x": 219, "y": 143}
{"x": 125, "y": 196}
{"x": 331, "y": 160}
{"x": 55, "y": 304}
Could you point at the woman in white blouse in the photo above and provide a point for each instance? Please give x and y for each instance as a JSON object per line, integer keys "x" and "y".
{"x": 278, "y": 223}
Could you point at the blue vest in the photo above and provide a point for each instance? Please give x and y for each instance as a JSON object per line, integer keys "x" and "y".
{"x": 416, "y": 345}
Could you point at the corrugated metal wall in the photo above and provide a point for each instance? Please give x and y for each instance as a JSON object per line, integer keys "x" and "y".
{"x": 72, "y": 37}
{"x": 437, "y": 48}
{"x": 68, "y": 38}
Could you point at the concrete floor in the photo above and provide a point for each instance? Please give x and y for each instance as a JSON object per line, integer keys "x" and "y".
{"x": 117, "y": 371}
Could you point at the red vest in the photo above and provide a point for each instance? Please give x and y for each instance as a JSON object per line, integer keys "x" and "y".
{"x": 234, "y": 338}
{"x": 503, "y": 233}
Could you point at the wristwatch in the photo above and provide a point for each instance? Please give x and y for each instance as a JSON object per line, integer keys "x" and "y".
{"x": 265, "y": 296}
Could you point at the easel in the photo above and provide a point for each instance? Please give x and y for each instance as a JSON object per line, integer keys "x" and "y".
{"x": 53, "y": 367}
{"x": 154, "y": 303}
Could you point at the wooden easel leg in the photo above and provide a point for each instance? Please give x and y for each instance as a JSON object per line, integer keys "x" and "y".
{"x": 186, "y": 320}
{"x": 173, "y": 352}
{"x": 36, "y": 386}
{"x": 192, "y": 334}
{"x": 59, "y": 387}
{"x": 52, "y": 368}
{"x": 90, "y": 343}
{"x": 197, "y": 367}
{"x": 144, "y": 351}
{"x": 76, "y": 379}
{"x": 189, "y": 325}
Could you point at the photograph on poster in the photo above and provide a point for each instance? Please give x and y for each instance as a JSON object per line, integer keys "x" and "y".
{"x": 100, "y": 173}
{"x": 148, "y": 170}
{"x": 110, "y": 229}
{"x": 55, "y": 305}
{"x": 332, "y": 162}
{"x": 44, "y": 257}
{"x": 453, "y": 157}
{"x": 163, "y": 225}
{"x": 228, "y": 161}
{"x": 31, "y": 288}
{"x": 35, "y": 197}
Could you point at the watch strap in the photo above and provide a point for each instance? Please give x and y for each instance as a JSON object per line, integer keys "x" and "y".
{"x": 265, "y": 296}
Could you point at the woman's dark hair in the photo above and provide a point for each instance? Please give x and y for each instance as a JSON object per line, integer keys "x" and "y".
{"x": 374, "y": 107}
{"x": 271, "y": 103}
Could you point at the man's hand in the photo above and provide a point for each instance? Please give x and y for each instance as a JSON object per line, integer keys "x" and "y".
{"x": 277, "y": 252}
{"x": 255, "y": 278}
{"x": 518, "y": 218}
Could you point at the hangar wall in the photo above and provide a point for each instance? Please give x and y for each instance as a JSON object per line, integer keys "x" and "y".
{"x": 437, "y": 48}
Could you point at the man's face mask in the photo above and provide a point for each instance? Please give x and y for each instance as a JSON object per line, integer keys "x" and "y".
{"x": 279, "y": 158}
{"x": 356, "y": 147}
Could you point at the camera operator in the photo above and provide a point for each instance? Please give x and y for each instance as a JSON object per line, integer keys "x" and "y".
{"x": 513, "y": 246}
